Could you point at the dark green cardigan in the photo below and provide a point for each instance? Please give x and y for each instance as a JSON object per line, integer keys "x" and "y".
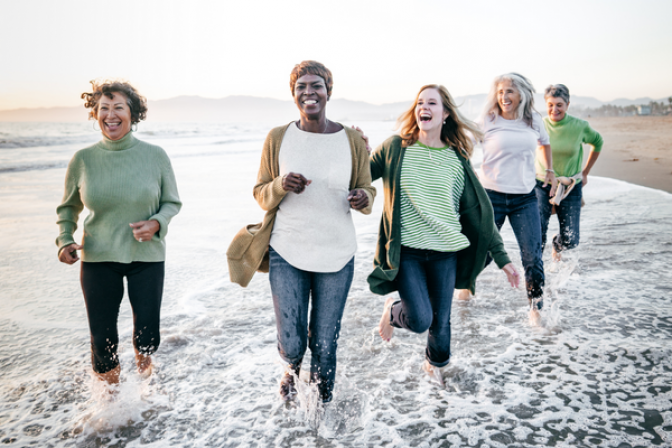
{"x": 476, "y": 218}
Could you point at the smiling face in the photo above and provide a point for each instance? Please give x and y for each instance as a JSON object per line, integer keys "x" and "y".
{"x": 114, "y": 116}
{"x": 556, "y": 108}
{"x": 310, "y": 95}
{"x": 429, "y": 111}
{"x": 508, "y": 99}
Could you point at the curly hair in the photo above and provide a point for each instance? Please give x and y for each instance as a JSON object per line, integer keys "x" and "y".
{"x": 454, "y": 132}
{"x": 311, "y": 68}
{"x": 136, "y": 102}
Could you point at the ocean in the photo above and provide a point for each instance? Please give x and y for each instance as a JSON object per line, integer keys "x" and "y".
{"x": 596, "y": 372}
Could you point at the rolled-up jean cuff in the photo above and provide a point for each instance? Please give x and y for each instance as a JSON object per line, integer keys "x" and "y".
{"x": 435, "y": 364}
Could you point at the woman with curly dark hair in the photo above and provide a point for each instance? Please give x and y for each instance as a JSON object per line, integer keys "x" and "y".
{"x": 129, "y": 188}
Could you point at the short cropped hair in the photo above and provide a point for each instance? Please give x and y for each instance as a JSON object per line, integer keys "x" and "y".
{"x": 557, "y": 91}
{"x": 311, "y": 68}
{"x": 136, "y": 102}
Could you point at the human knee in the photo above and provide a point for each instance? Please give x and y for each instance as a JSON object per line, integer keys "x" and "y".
{"x": 419, "y": 324}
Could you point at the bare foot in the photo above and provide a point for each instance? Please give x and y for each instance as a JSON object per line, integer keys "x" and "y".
{"x": 434, "y": 373}
{"x": 385, "y": 328}
{"x": 288, "y": 386}
{"x": 535, "y": 316}
{"x": 556, "y": 255}
{"x": 111, "y": 377}
{"x": 145, "y": 366}
{"x": 463, "y": 294}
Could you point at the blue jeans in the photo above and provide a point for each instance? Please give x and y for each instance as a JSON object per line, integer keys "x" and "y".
{"x": 426, "y": 281}
{"x": 523, "y": 213}
{"x": 292, "y": 291}
{"x": 569, "y": 216}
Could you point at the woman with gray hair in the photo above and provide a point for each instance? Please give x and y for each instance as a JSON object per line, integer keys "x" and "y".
{"x": 512, "y": 131}
{"x": 567, "y": 135}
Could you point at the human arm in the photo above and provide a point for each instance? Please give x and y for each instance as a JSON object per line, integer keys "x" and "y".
{"x": 364, "y": 137}
{"x": 69, "y": 209}
{"x": 362, "y": 193}
{"x": 547, "y": 160}
{"x": 169, "y": 206}
{"x": 594, "y": 139}
{"x": 269, "y": 191}
{"x": 377, "y": 163}
{"x": 592, "y": 158}
{"x": 511, "y": 275}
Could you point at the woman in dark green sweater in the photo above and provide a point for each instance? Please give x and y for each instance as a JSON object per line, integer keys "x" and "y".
{"x": 129, "y": 188}
{"x": 437, "y": 225}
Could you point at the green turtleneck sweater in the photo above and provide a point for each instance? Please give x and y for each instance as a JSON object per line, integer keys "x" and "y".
{"x": 119, "y": 182}
{"x": 567, "y": 136}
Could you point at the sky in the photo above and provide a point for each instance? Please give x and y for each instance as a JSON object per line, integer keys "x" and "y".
{"x": 378, "y": 51}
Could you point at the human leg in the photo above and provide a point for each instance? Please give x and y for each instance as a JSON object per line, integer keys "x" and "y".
{"x": 103, "y": 288}
{"x": 145, "y": 291}
{"x": 414, "y": 312}
{"x": 545, "y": 209}
{"x": 569, "y": 217}
{"x": 500, "y": 210}
{"x": 525, "y": 221}
{"x": 290, "y": 288}
{"x": 441, "y": 269}
{"x": 329, "y": 293}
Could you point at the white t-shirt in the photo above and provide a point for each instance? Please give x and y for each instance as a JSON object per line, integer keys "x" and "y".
{"x": 313, "y": 231}
{"x": 509, "y": 148}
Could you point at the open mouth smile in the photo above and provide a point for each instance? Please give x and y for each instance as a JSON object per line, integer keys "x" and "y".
{"x": 425, "y": 117}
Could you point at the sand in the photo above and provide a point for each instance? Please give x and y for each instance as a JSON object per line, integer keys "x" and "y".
{"x": 636, "y": 150}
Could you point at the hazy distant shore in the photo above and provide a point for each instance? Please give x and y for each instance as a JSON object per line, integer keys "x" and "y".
{"x": 636, "y": 149}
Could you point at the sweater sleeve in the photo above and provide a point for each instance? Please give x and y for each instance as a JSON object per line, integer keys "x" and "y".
{"x": 593, "y": 138}
{"x": 268, "y": 190}
{"x": 363, "y": 172}
{"x": 169, "y": 203}
{"x": 71, "y": 205}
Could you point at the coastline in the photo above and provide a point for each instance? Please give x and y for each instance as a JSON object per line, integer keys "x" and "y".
{"x": 636, "y": 150}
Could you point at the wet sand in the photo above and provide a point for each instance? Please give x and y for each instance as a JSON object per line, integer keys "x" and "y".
{"x": 636, "y": 150}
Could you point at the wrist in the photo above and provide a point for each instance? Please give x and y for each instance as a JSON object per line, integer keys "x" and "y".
{"x": 550, "y": 171}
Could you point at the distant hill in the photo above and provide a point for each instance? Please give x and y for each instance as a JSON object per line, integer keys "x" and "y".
{"x": 242, "y": 108}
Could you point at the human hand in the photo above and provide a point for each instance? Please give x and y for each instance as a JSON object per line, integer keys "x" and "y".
{"x": 550, "y": 179}
{"x": 366, "y": 139}
{"x": 584, "y": 177}
{"x": 295, "y": 182}
{"x": 145, "y": 230}
{"x": 512, "y": 275}
{"x": 68, "y": 254}
{"x": 358, "y": 199}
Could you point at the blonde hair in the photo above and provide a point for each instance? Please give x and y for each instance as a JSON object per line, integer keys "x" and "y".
{"x": 524, "y": 88}
{"x": 454, "y": 132}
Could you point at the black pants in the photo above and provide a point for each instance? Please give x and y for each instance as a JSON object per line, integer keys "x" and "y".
{"x": 103, "y": 287}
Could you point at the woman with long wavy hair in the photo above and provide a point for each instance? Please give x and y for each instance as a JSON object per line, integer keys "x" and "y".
{"x": 437, "y": 225}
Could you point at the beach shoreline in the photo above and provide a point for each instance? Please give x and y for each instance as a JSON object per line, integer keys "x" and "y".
{"x": 636, "y": 150}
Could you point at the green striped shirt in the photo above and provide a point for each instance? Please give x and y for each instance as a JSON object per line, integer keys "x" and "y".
{"x": 432, "y": 181}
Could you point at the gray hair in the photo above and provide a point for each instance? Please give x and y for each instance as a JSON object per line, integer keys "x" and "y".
{"x": 526, "y": 91}
{"x": 557, "y": 91}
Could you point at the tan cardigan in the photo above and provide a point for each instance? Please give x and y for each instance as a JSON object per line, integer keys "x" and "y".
{"x": 248, "y": 252}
